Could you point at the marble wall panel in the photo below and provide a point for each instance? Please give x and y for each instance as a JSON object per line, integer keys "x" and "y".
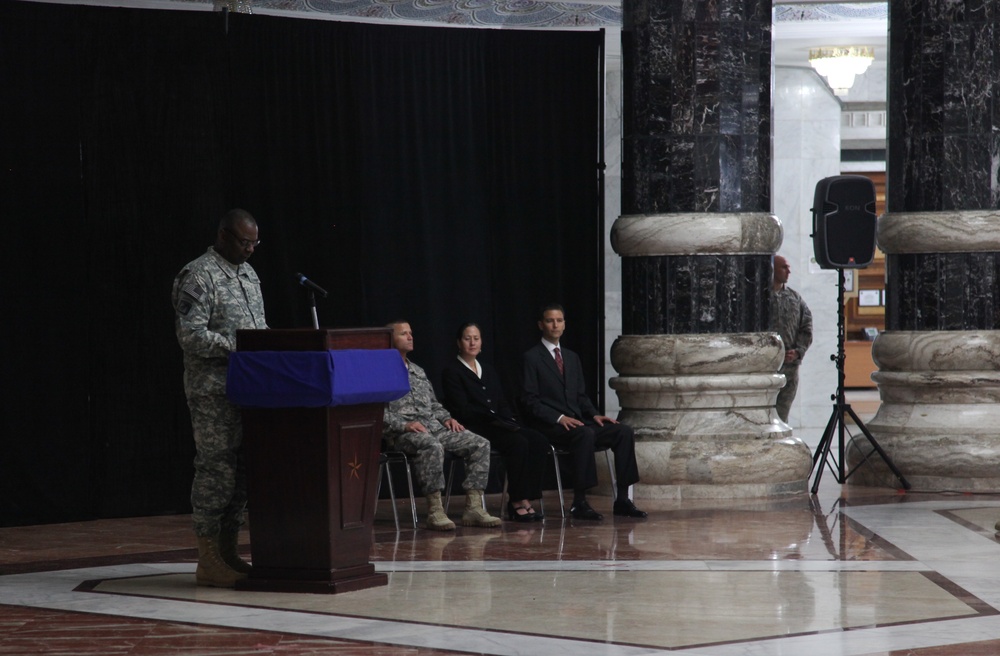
{"x": 806, "y": 150}
{"x": 612, "y": 207}
{"x": 870, "y": 86}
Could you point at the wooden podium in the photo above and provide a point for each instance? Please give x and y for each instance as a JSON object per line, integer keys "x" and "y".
{"x": 312, "y": 477}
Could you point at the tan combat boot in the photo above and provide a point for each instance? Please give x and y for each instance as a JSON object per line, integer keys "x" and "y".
{"x": 475, "y": 514}
{"x": 229, "y": 551}
{"x": 212, "y": 570}
{"x": 437, "y": 520}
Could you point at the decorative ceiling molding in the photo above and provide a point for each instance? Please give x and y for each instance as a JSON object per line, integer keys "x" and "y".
{"x": 464, "y": 13}
{"x": 585, "y": 14}
{"x": 841, "y": 11}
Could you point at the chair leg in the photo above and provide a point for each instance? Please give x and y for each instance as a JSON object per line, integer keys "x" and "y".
{"x": 383, "y": 469}
{"x": 413, "y": 501}
{"x": 451, "y": 479}
{"x": 447, "y": 485}
{"x": 559, "y": 485}
{"x": 503, "y": 497}
{"x": 555, "y": 463}
{"x": 611, "y": 472}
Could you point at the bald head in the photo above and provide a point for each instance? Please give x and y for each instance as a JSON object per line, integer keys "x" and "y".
{"x": 781, "y": 272}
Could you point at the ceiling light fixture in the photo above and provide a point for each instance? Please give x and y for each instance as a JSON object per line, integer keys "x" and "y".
{"x": 840, "y": 65}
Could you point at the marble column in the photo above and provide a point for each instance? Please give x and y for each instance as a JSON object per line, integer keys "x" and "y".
{"x": 697, "y": 361}
{"x": 939, "y": 359}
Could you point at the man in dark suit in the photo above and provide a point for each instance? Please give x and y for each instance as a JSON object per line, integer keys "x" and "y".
{"x": 554, "y": 397}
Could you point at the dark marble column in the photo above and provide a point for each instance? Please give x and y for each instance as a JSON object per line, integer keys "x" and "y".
{"x": 697, "y": 93}
{"x": 697, "y": 362}
{"x": 939, "y": 360}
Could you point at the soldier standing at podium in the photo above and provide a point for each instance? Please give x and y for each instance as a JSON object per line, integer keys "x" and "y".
{"x": 213, "y": 297}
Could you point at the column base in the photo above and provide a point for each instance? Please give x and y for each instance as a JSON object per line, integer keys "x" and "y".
{"x": 939, "y": 419}
{"x": 702, "y": 407}
{"x": 932, "y": 463}
{"x": 733, "y": 491}
{"x": 937, "y": 447}
{"x": 735, "y": 468}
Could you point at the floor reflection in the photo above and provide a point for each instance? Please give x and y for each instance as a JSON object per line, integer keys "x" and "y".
{"x": 858, "y": 572}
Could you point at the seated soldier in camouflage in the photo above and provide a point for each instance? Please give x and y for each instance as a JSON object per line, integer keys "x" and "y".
{"x": 419, "y": 426}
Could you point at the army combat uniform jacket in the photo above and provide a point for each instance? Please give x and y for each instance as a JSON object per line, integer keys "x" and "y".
{"x": 213, "y": 298}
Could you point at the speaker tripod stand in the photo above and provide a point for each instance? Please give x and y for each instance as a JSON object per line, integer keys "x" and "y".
{"x": 836, "y": 424}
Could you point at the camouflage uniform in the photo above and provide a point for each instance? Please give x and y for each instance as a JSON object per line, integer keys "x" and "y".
{"x": 792, "y": 320}
{"x": 212, "y": 299}
{"x": 427, "y": 449}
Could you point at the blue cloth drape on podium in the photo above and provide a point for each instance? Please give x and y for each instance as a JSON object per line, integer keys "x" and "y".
{"x": 311, "y": 379}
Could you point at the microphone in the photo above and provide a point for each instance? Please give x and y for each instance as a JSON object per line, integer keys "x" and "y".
{"x": 310, "y": 285}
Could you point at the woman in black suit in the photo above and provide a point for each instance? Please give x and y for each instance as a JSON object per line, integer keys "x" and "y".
{"x": 473, "y": 395}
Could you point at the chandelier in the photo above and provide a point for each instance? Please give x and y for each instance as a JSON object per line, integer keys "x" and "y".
{"x": 840, "y": 65}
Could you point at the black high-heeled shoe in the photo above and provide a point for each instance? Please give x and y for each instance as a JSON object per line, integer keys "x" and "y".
{"x": 524, "y": 516}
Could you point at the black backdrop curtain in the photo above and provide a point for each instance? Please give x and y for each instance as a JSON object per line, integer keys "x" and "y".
{"x": 434, "y": 174}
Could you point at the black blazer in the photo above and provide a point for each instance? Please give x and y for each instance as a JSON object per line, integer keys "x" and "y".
{"x": 471, "y": 400}
{"x": 545, "y": 395}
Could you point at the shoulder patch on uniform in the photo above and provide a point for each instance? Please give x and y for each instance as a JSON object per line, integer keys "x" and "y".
{"x": 192, "y": 289}
{"x": 184, "y": 306}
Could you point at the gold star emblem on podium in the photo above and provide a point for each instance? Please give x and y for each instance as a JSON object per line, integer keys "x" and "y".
{"x": 355, "y": 467}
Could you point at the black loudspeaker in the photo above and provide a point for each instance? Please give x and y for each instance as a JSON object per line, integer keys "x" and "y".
{"x": 844, "y": 222}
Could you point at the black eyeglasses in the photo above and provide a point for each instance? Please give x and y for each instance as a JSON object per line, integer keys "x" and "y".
{"x": 245, "y": 243}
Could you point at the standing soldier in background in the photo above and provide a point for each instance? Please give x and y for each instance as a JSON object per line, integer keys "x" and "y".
{"x": 792, "y": 320}
{"x": 213, "y": 297}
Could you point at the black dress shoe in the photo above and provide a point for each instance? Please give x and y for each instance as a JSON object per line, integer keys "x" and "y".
{"x": 537, "y": 515}
{"x": 513, "y": 515}
{"x": 583, "y": 510}
{"x": 625, "y": 508}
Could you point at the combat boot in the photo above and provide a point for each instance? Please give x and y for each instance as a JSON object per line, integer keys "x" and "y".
{"x": 437, "y": 520}
{"x": 229, "y": 551}
{"x": 212, "y": 570}
{"x": 475, "y": 514}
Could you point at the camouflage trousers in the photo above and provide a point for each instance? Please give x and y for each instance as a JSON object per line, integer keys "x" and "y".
{"x": 787, "y": 393}
{"x": 427, "y": 453}
{"x": 219, "y": 490}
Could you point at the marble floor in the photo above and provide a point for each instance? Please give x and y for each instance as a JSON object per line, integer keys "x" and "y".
{"x": 851, "y": 571}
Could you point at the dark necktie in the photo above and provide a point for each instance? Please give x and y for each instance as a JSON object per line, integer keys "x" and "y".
{"x": 559, "y": 362}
